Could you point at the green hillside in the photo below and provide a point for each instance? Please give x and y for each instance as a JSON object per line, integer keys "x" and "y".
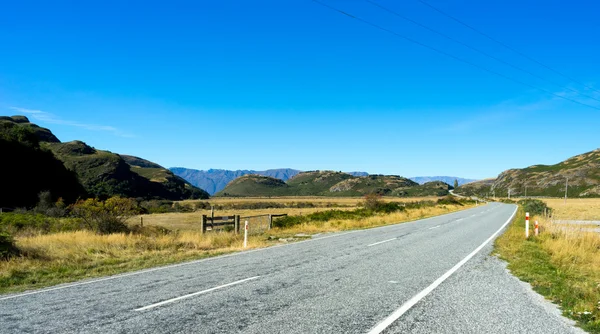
{"x": 255, "y": 185}
{"x": 74, "y": 169}
{"x": 28, "y": 169}
{"x": 583, "y": 172}
{"x": 330, "y": 183}
{"x": 481, "y": 188}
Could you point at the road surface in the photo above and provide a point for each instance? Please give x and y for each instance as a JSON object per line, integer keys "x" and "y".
{"x": 430, "y": 276}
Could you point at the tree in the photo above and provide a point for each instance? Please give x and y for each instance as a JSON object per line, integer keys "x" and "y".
{"x": 105, "y": 217}
{"x": 455, "y": 183}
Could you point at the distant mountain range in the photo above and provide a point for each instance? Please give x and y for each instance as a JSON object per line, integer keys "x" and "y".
{"x": 582, "y": 171}
{"x": 445, "y": 179}
{"x": 215, "y": 180}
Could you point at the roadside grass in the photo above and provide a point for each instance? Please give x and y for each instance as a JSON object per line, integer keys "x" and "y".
{"x": 50, "y": 259}
{"x": 562, "y": 264}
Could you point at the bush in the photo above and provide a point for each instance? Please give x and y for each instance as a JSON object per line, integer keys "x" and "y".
{"x": 449, "y": 200}
{"x": 534, "y": 206}
{"x": 27, "y": 222}
{"x": 7, "y": 246}
{"x": 105, "y": 217}
{"x": 372, "y": 201}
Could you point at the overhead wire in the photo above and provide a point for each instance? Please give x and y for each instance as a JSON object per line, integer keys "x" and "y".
{"x": 477, "y": 49}
{"x": 414, "y": 41}
{"x": 506, "y": 45}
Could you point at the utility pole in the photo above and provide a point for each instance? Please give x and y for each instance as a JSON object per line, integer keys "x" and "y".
{"x": 525, "y": 191}
{"x": 566, "y": 188}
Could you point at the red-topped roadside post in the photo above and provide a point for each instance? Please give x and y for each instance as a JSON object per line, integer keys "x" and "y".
{"x": 527, "y": 225}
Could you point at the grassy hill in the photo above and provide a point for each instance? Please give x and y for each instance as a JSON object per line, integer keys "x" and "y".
{"x": 330, "y": 183}
{"x": 255, "y": 185}
{"x": 583, "y": 172}
{"x": 479, "y": 188}
{"x": 74, "y": 169}
{"x": 28, "y": 169}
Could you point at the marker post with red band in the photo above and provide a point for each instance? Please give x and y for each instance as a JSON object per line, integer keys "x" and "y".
{"x": 526, "y": 225}
{"x": 537, "y": 228}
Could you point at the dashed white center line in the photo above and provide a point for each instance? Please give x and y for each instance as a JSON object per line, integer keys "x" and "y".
{"x": 431, "y": 228}
{"x": 377, "y": 243}
{"x": 194, "y": 294}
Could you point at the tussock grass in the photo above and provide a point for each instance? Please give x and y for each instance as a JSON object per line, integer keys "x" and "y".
{"x": 563, "y": 264}
{"x": 49, "y": 259}
{"x": 67, "y": 256}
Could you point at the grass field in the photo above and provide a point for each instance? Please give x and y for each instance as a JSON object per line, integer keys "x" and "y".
{"x": 563, "y": 263}
{"x": 575, "y": 209}
{"x": 55, "y": 258}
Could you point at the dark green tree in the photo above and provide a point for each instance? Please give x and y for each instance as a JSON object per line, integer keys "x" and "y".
{"x": 455, "y": 183}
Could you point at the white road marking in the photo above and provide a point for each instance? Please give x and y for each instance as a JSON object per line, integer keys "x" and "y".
{"x": 431, "y": 228}
{"x": 414, "y": 300}
{"x": 195, "y": 294}
{"x": 459, "y": 219}
{"x": 377, "y": 243}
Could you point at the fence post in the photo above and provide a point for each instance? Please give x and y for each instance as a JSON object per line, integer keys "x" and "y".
{"x": 246, "y": 234}
{"x": 236, "y": 226}
{"x": 141, "y": 221}
{"x": 270, "y": 221}
{"x": 203, "y": 224}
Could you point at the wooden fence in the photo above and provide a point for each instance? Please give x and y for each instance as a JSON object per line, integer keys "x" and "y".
{"x": 257, "y": 224}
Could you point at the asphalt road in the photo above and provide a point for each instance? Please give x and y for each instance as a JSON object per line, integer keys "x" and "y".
{"x": 352, "y": 282}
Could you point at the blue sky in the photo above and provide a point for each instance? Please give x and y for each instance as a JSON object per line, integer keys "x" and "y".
{"x": 268, "y": 84}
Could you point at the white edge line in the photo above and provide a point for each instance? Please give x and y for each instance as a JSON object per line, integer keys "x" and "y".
{"x": 431, "y": 228}
{"x": 195, "y": 294}
{"x": 144, "y": 271}
{"x": 380, "y": 242}
{"x": 414, "y": 300}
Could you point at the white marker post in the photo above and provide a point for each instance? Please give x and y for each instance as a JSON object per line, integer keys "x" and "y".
{"x": 246, "y": 234}
{"x": 526, "y": 225}
{"x": 537, "y": 228}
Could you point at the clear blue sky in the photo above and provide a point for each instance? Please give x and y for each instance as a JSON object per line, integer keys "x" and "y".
{"x": 269, "y": 84}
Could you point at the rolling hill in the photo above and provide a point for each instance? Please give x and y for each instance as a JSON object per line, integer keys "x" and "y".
{"x": 445, "y": 179}
{"x": 74, "y": 169}
{"x": 583, "y": 172}
{"x": 215, "y": 180}
{"x": 330, "y": 183}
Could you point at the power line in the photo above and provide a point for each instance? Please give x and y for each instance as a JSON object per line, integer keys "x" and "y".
{"x": 505, "y": 45}
{"x": 477, "y": 50}
{"x": 450, "y": 55}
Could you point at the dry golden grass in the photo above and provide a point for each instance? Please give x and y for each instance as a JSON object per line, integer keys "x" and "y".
{"x": 63, "y": 257}
{"x": 190, "y": 221}
{"x": 374, "y": 221}
{"x": 576, "y": 208}
{"x": 68, "y": 256}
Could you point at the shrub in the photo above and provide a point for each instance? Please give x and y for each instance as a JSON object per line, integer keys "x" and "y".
{"x": 7, "y": 246}
{"x": 449, "y": 200}
{"x": 534, "y": 206}
{"x": 28, "y": 222}
{"x": 372, "y": 201}
{"x": 105, "y": 217}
